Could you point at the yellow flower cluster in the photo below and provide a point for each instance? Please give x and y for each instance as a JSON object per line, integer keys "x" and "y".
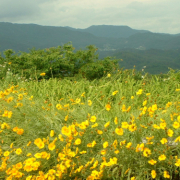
{"x": 88, "y": 139}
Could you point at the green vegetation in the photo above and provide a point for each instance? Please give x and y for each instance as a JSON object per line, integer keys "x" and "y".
{"x": 156, "y": 51}
{"x": 57, "y": 62}
{"x": 156, "y": 61}
{"x": 109, "y": 124}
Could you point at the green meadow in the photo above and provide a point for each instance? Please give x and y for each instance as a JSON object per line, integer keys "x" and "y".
{"x": 124, "y": 125}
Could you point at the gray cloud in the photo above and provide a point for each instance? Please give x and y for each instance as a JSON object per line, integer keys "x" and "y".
{"x": 156, "y": 16}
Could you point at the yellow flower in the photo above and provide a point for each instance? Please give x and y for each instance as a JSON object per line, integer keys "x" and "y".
{"x": 19, "y": 105}
{"x": 123, "y": 108}
{"x": 20, "y": 96}
{"x": 114, "y": 93}
{"x": 177, "y": 163}
{"x": 152, "y": 162}
{"x": 60, "y": 137}
{"x": 132, "y": 97}
{"x": 153, "y": 174}
{"x": 83, "y": 94}
{"x": 124, "y": 125}
{"x": 66, "y": 118}
{"x": 127, "y": 171}
{"x": 37, "y": 155}
{"x": 107, "y": 124}
{"x": 168, "y": 104}
{"x": 176, "y": 125}
{"x": 42, "y": 74}
{"x": 7, "y": 114}
{"x": 9, "y": 99}
{"x": 51, "y": 133}
{"x": 6, "y": 153}
{"x": 66, "y": 131}
{"x": 178, "y": 118}
{"x": 144, "y": 102}
{"x": 83, "y": 152}
{"x": 94, "y": 125}
{"x": 91, "y": 144}
{"x": 45, "y": 155}
{"x": 133, "y": 178}
{"x": 108, "y": 107}
{"x": 94, "y": 165}
{"x": 20, "y": 131}
{"x": 105, "y": 144}
{"x": 146, "y": 152}
{"x": 108, "y": 75}
{"x": 29, "y": 177}
{"x": 11, "y": 145}
{"x": 119, "y": 131}
{"x": 162, "y": 157}
{"x": 163, "y": 141}
{"x": 115, "y": 143}
{"x": 132, "y": 127}
{"x": 18, "y": 151}
{"x": 78, "y": 100}
{"x": 140, "y": 147}
{"x": 177, "y": 89}
{"x": 89, "y": 102}
{"x": 139, "y": 92}
{"x": 177, "y": 139}
{"x": 100, "y": 132}
{"x": 39, "y": 143}
{"x": 19, "y": 165}
{"x": 170, "y": 132}
{"x": 103, "y": 152}
{"x": 93, "y": 119}
{"x": 154, "y": 107}
{"x": 122, "y": 142}
{"x": 83, "y": 125}
{"x": 78, "y": 169}
{"x": 58, "y": 106}
{"x": 51, "y": 146}
{"x": 77, "y": 141}
{"x": 116, "y": 120}
{"x": 128, "y": 145}
{"x": 166, "y": 174}
{"x": 156, "y": 126}
{"x": 162, "y": 125}
{"x": 29, "y": 154}
{"x": 116, "y": 151}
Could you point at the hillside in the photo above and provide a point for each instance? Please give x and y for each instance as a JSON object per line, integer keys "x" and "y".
{"x": 135, "y": 47}
{"x": 20, "y": 37}
{"x": 110, "y": 31}
{"x": 156, "y": 61}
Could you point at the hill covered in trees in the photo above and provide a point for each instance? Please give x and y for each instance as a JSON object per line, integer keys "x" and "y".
{"x": 156, "y": 51}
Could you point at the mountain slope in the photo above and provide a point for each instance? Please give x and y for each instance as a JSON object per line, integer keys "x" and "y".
{"x": 110, "y": 31}
{"x": 21, "y": 37}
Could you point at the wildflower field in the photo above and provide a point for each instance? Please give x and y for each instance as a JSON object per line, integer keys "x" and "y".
{"x": 116, "y": 127}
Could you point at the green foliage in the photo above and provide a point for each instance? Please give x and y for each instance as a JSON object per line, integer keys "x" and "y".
{"x": 156, "y": 61}
{"x": 99, "y": 69}
{"x": 57, "y": 62}
{"x": 38, "y": 107}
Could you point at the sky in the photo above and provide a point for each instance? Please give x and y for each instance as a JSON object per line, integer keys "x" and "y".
{"x": 161, "y": 16}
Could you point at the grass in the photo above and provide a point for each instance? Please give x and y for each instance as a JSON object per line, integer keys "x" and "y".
{"x": 117, "y": 127}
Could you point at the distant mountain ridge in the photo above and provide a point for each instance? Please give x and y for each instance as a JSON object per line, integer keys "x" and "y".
{"x": 157, "y": 51}
{"x": 21, "y": 37}
{"x": 110, "y": 31}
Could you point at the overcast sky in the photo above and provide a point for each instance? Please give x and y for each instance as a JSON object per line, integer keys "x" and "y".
{"x": 154, "y": 15}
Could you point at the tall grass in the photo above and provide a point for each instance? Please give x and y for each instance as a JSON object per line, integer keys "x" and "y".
{"x": 122, "y": 126}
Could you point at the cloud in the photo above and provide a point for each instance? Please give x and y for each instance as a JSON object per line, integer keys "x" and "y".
{"x": 153, "y": 15}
